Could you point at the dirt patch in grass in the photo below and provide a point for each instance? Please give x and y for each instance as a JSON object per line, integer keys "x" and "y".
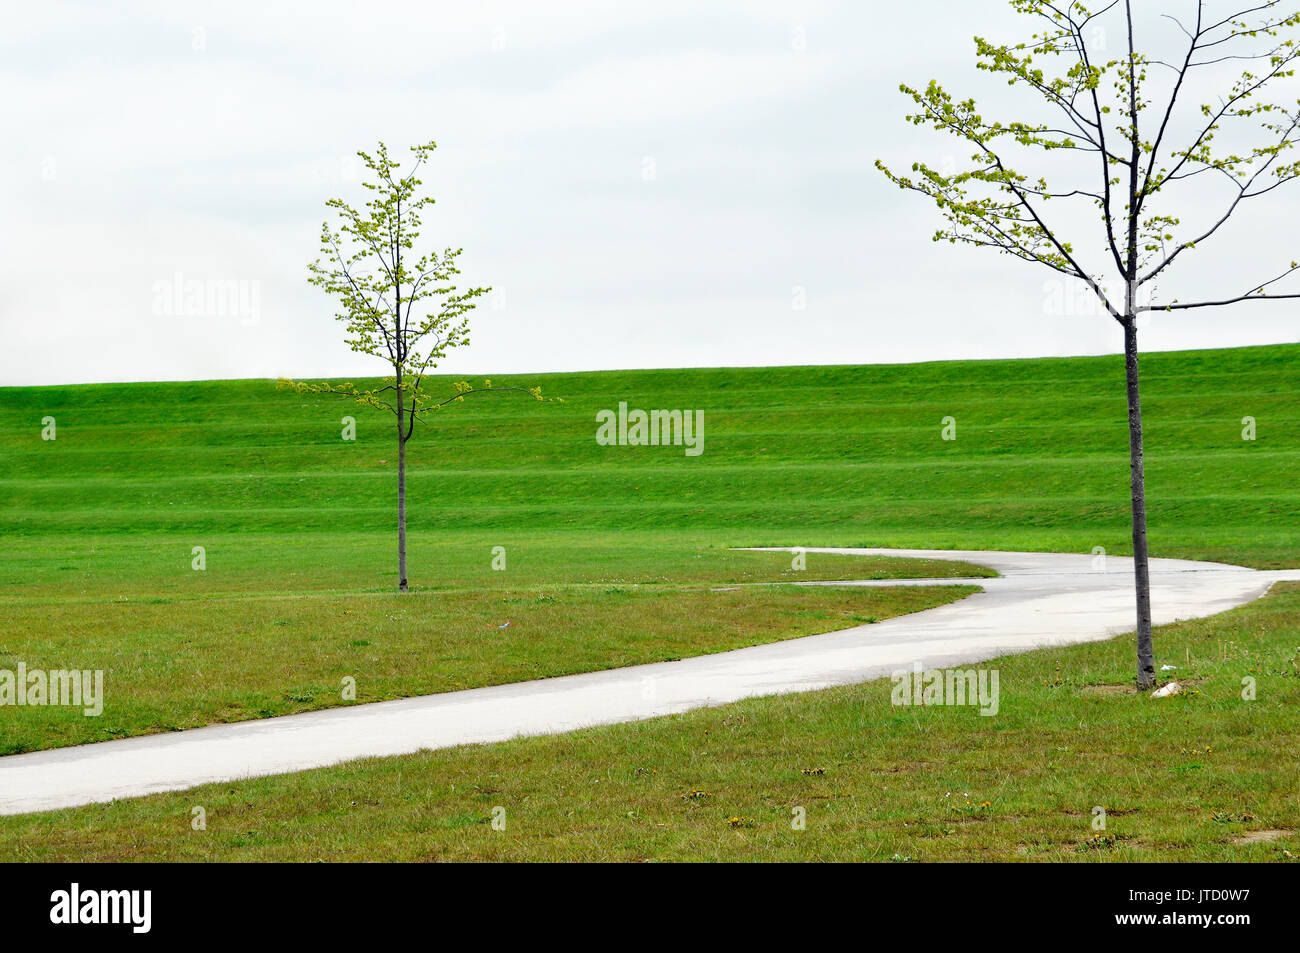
{"x": 1128, "y": 688}
{"x": 1120, "y": 689}
{"x": 903, "y": 767}
{"x": 1262, "y": 837}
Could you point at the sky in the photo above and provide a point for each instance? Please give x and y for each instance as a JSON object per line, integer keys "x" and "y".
{"x": 642, "y": 184}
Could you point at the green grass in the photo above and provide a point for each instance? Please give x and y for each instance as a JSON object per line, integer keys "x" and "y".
{"x": 792, "y": 456}
{"x": 175, "y": 663}
{"x": 611, "y": 556}
{"x": 1181, "y": 779}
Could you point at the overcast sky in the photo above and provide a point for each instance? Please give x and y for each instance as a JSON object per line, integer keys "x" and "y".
{"x": 645, "y": 184}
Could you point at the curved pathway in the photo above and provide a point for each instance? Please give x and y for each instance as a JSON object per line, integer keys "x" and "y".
{"x": 1041, "y": 599}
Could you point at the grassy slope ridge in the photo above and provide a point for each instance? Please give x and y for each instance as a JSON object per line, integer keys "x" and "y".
{"x": 821, "y": 455}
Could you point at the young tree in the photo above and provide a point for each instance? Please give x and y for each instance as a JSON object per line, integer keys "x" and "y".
{"x": 1108, "y": 127}
{"x": 395, "y": 306}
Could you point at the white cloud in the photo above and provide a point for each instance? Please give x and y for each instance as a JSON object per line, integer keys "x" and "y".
{"x": 132, "y": 156}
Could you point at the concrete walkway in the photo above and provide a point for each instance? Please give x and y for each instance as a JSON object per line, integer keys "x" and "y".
{"x": 1041, "y": 599}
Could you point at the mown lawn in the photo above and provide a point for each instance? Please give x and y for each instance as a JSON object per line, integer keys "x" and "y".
{"x": 1204, "y": 776}
{"x": 792, "y": 456}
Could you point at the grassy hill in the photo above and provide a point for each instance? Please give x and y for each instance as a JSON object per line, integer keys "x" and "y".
{"x": 821, "y": 455}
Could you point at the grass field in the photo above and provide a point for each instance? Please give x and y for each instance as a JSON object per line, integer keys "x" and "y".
{"x": 1199, "y": 777}
{"x": 793, "y": 456}
{"x": 99, "y": 529}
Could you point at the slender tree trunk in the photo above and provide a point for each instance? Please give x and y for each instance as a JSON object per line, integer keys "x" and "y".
{"x": 1146, "y": 677}
{"x": 401, "y": 494}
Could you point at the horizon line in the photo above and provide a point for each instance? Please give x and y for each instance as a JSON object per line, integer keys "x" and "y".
{"x": 690, "y": 367}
